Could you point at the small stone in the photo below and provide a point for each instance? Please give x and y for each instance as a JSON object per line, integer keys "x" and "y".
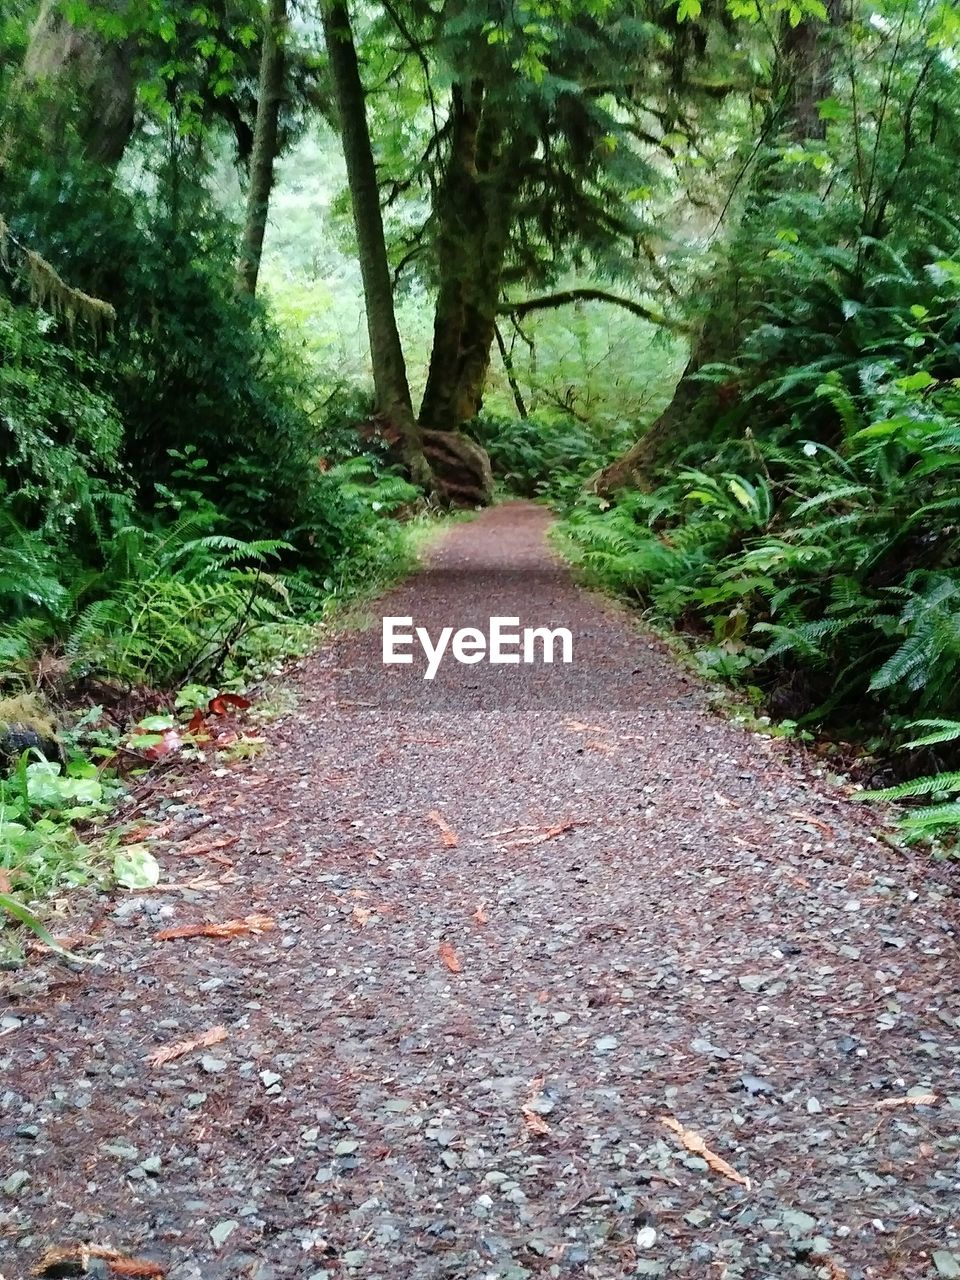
{"x": 813, "y": 1106}
{"x": 212, "y": 1065}
{"x": 606, "y": 1044}
{"x": 346, "y": 1147}
{"x": 223, "y": 1231}
{"x": 947, "y": 1264}
{"x": 270, "y": 1078}
{"x": 355, "y": 1257}
{"x": 798, "y": 1221}
{"x": 754, "y": 982}
{"x": 151, "y": 1165}
{"x": 16, "y": 1182}
{"x": 121, "y": 1150}
{"x": 646, "y": 1238}
{"x": 753, "y": 1085}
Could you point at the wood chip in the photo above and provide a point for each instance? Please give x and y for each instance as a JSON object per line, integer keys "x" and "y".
{"x": 450, "y": 957}
{"x": 448, "y": 837}
{"x": 167, "y": 1052}
{"x": 480, "y": 915}
{"x": 696, "y": 1146}
{"x": 219, "y": 929}
{"x": 911, "y": 1100}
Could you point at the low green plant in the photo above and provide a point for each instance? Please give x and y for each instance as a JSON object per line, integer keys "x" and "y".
{"x": 928, "y": 821}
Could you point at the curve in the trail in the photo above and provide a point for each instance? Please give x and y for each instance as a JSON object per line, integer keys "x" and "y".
{"x": 539, "y": 930}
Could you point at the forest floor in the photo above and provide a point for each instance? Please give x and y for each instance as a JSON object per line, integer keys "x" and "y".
{"x": 534, "y": 929}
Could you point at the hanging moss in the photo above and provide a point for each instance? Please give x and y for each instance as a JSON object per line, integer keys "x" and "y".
{"x": 50, "y": 291}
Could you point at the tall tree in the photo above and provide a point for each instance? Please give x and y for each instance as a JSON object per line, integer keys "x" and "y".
{"x": 265, "y": 137}
{"x": 801, "y": 75}
{"x": 386, "y": 354}
{"x": 445, "y": 463}
{"x": 79, "y": 79}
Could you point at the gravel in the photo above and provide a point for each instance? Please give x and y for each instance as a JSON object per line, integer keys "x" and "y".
{"x": 648, "y": 912}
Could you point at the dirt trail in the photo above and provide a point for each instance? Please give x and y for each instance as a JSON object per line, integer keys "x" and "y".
{"x": 654, "y": 914}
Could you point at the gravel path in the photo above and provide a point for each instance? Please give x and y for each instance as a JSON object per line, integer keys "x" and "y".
{"x": 529, "y": 922}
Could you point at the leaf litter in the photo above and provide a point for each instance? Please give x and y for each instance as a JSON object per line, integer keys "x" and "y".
{"x": 696, "y": 1146}
{"x": 254, "y": 923}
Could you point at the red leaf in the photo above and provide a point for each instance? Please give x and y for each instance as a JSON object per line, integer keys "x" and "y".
{"x": 168, "y": 744}
{"x": 218, "y": 705}
{"x": 450, "y": 957}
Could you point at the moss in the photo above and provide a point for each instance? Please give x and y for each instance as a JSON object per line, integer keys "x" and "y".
{"x": 26, "y": 711}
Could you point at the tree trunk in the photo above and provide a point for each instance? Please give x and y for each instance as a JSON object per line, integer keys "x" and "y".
{"x": 394, "y": 407}
{"x": 77, "y": 81}
{"x": 801, "y": 77}
{"x": 474, "y": 211}
{"x": 264, "y": 145}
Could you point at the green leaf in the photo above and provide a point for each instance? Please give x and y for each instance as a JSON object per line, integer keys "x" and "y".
{"x": 918, "y": 381}
{"x": 135, "y": 867}
{"x": 688, "y": 9}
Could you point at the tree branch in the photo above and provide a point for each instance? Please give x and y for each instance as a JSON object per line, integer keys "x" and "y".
{"x": 549, "y": 301}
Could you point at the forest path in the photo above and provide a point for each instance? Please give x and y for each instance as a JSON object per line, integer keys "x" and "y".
{"x": 654, "y": 914}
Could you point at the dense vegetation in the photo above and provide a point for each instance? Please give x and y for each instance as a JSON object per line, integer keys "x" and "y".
{"x": 275, "y": 278}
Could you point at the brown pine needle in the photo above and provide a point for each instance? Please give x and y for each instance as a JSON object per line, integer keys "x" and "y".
{"x": 167, "y": 1052}
{"x": 219, "y": 929}
{"x": 696, "y": 1146}
{"x": 448, "y": 837}
{"x": 450, "y": 957}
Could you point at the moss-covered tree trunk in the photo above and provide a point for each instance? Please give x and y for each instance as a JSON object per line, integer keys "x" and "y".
{"x": 76, "y": 83}
{"x": 394, "y": 406}
{"x": 263, "y": 155}
{"x": 473, "y": 212}
{"x": 801, "y": 77}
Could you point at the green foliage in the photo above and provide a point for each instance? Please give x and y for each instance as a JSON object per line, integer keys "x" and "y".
{"x": 548, "y": 453}
{"x": 928, "y": 821}
{"x": 831, "y": 570}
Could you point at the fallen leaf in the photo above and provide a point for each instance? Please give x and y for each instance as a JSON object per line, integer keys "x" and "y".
{"x": 480, "y": 915}
{"x": 362, "y": 914}
{"x": 209, "y": 850}
{"x": 605, "y": 748}
{"x": 219, "y": 929}
{"x": 812, "y": 821}
{"x": 834, "y": 1270}
{"x": 448, "y": 837}
{"x": 170, "y": 742}
{"x": 147, "y": 832}
{"x": 450, "y": 957}
{"x": 696, "y": 1146}
{"x": 167, "y": 1052}
{"x": 218, "y": 706}
{"x": 6, "y": 884}
{"x": 79, "y": 1255}
{"x": 535, "y": 1123}
{"x": 577, "y": 726}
